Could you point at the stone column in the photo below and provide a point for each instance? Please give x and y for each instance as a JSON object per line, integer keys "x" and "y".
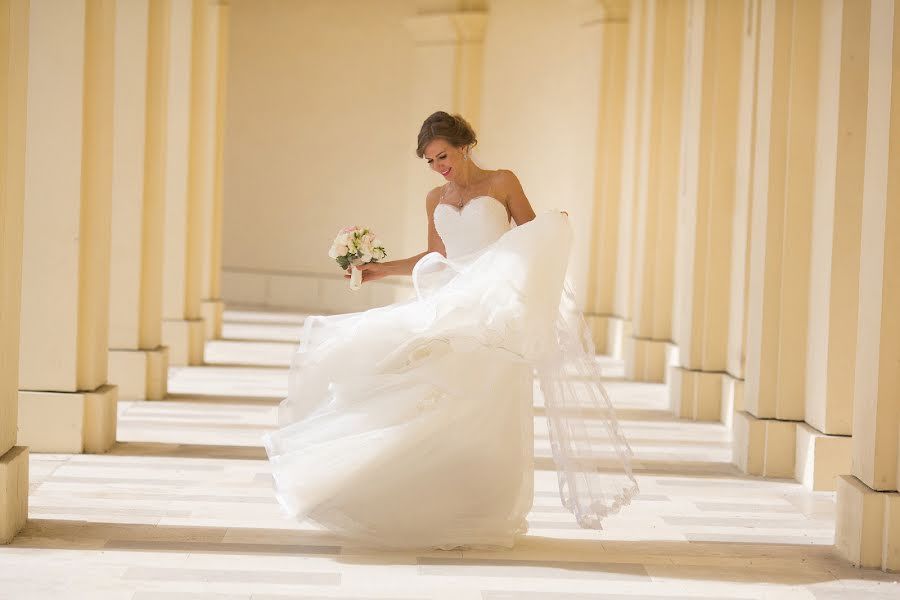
{"x": 632, "y": 142}
{"x": 656, "y": 192}
{"x": 600, "y": 314}
{"x": 765, "y": 245}
{"x": 868, "y": 505}
{"x": 138, "y": 362}
{"x": 779, "y": 252}
{"x": 13, "y": 78}
{"x": 183, "y": 327}
{"x": 65, "y": 403}
{"x": 454, "y": 40}
{"x": 733, "y": 380}
{"x": 837, "y": 213}
{"x": 706, "y": 208}
{"x": 211, "y": 304}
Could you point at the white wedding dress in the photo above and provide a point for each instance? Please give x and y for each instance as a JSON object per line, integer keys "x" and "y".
{"x": 411, "y": 425}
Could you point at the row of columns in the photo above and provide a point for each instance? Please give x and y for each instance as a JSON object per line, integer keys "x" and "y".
{"x": 743, "y": 249}
{"x": 111, "y": 210}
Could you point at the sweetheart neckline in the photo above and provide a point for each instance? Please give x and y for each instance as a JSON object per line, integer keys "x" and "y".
{"x": 459, "y": 210}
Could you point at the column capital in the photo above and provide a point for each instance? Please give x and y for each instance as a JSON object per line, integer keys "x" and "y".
{"x": 616, "y": 10}
{"x": 448, "y": 28}
{"x": 589, "y": 12}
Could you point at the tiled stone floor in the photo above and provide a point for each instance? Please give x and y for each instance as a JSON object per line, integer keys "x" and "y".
{"x": 181, "y": 509}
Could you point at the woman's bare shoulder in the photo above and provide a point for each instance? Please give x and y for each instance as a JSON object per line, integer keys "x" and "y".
{"x": 505, "y": 182}
{"x": 504, "y": 178}
{"x": 434, "y": 196}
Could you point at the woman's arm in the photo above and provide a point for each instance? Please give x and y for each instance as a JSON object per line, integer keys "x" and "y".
{"x": 404, "y": 266}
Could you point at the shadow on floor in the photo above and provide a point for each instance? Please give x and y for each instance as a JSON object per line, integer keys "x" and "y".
{"x": 622, "y": 414}
{"x": 581, "y": 558}
{"x": 187, "y": 451}
{"x": 219, "y": 399}
{"x": 659, "y": 467}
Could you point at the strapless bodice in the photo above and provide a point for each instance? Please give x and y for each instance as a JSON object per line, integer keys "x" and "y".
{"x": 479, "y": 223}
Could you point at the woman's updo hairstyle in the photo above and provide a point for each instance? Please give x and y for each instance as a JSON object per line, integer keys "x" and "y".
{"x": 452, "y": 128}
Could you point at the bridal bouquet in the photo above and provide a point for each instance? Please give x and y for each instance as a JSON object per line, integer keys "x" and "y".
{"x": 355, "y": 246}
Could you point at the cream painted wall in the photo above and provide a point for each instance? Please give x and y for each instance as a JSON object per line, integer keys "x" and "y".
{"x": 317, "y": 138}
{"x": 540, "y": 108}
{"x": 319, "y": 133}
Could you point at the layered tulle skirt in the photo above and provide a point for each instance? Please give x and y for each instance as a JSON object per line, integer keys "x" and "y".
{"x": 411, "y": 425}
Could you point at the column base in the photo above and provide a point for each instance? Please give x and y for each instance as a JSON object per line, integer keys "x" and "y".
{"x": 866, "y": 528}
{"x": 646, "y": 360}
{"x": 13, "y": 492}
{"x": 185, "y": 339}
{"x": 68, "y": 422}
{"x": 696, "y": 395}
{"x": 606, "y": 332}
{"x": 213, "y": 312}
{"x": 140, "y": 374}
{"x": 732, "y": 399}
{"x": 765, "y": 447}
{"x": 820, "y": 458}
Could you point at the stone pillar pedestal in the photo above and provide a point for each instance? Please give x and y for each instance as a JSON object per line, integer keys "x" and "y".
{"x": 645, "y": 360}
{"x": 66, "y": 256}
{"x": 72, "y": 422}
{"x": 820, "y": 458}
{"x": 698, "y": 395}
{"x": 607, "y": 334}
{"x": 13, "y": 490}
{"x": 185, "y": 340}
{"x": 141, "y": 374}
{"x": 212, "y": 312}
{"x": 764, "y": 446}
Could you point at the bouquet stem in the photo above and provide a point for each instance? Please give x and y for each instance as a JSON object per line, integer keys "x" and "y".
{"x": 355, "y": 278}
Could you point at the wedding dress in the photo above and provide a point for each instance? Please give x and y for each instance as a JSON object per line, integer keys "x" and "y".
{"x": 411, "y": 425}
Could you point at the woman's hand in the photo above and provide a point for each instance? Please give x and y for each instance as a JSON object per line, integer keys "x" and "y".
{"x": 371, "y": 271}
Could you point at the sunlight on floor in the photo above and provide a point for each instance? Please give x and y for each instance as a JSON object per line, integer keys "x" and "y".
{"x": 182, "y": 508}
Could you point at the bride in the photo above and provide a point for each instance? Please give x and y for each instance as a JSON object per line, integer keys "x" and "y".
{"x": 411, "y": 425}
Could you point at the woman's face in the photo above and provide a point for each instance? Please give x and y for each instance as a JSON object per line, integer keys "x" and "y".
{"x": 445, "y": 158}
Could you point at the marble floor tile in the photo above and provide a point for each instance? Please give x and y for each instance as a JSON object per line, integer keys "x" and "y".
{"x": 181, "y": 508}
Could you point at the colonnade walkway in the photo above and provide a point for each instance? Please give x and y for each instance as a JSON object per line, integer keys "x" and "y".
{"x": 182, "y": 508}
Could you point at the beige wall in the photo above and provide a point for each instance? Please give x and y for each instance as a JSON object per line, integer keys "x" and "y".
{"x": 540, "y": 107}
{"x": 317, "y": 138}
{"x": 319, "y": 133}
